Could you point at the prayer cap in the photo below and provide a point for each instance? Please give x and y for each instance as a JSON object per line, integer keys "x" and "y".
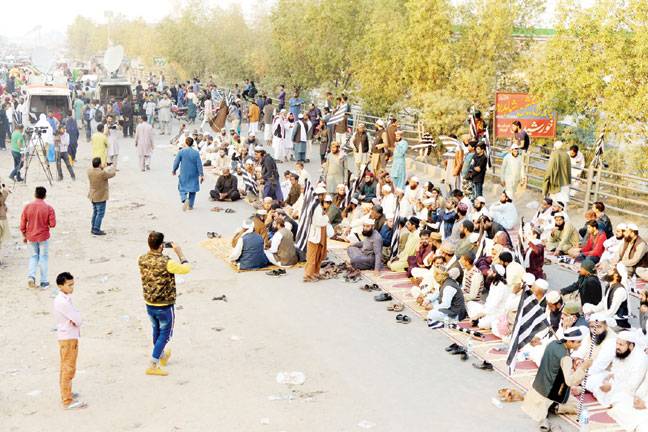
{"x": 542, "y": 284}
{"x": 528, "y": 278}
{"x": 249, "y": 162}
{"x": 560, "y": 214}
{"x": 414, "y": 179}
{"x": 553, "y": 297}
{"x": 602, "y": 318}
{"x": 380, "y": 123}
{"x": 320, "y": 190}
{"x": 262, "y": 212}
{"x": 628, "y": 336}
{"x": 454, "y": 273}
{"x": 328, "y": 198}
{"x": 571, "y": 308}
{"x": 622, "y": 226}
{"x": 499, "y": 269}
{"x": 514, "y": 147}
{"x": 259, "y": 149}
{"x": 633, "y": 227}
{"x": 480, "y": 199}
{"x": 588, "y": 265}
{"x": 368, "y": 221}
{"x": 573, "y": 334}
{"x": 386, "y": 188}
{"x": 435, "y": 236}
{"x": 448, "y": 248}
{"x": 354, "y": 201}
{"x": 473, "y": 237}
{"x": 428, "y": 202}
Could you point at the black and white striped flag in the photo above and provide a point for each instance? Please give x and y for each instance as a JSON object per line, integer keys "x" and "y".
{"x": 519, "y": 247}
{"x": 395, "y": 240}
{"x": 353, "y": 188}
{"x": 306, "y": 216}
{"x": 338, "y": 115}
{"x": 250, "y": 182}
{"x": 530, "y": 319}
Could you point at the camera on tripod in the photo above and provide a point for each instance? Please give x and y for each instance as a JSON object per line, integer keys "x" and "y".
{"x": 37, "y": 129}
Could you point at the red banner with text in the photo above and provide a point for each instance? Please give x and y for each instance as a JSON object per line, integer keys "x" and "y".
{"x": 519, "y": 106}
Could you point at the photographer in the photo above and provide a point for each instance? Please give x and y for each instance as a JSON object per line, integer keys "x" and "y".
{"x": 98, "y": 193}
{"x": 61, "y": 146}
{"x": 111, "y": 130}
{"x": 158, "y": 283}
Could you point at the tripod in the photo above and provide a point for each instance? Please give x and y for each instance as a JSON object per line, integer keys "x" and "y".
{"x": 37, "y": 147}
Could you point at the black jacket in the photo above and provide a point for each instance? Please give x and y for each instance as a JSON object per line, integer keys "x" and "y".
{"x": 589, "y": 288}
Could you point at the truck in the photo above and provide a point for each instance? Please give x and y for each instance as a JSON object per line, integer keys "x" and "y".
{"x": 117, "y": 88}
{"x": 42, "y": 98}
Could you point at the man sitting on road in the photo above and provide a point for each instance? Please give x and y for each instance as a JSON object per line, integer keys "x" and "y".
{"x": 563, "y": 236}
{"x": 226, "y": 188}
{"x": 367, "y": 254}
{"x": 248, "y": 253}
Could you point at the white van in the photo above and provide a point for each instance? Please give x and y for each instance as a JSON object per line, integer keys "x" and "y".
{"x": 43, "y": 98}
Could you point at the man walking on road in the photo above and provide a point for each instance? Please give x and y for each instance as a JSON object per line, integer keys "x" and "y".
{"x": 144, "y": 143}
{"x": 158, "y": 283}
{"x": 98, "y": 193}
{"x": 191, "y": 174}
{"x": 35, "y": 222}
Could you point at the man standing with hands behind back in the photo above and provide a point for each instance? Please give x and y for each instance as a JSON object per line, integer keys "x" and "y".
{"x": 35, "y": 222}
{"x": 98, "y": 193}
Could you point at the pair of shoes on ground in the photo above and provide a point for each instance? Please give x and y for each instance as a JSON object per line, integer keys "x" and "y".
{"x": 385, "y": 296}
{"x": 156, "y": 369}
{"x": 276, "y": 272}
{"x": 403, "y": 319}
{"x": 372, "y": 287}
{"x": 213, "y": 235}
{"x": 396, "y": 307}
{"x": 456, "y": 349}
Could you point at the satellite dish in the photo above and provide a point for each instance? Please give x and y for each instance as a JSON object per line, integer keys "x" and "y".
{"x": 43, "y": 59}
{"x": 113, "y": 58}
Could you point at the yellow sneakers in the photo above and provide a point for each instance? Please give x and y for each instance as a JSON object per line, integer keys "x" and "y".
{"x": 166, "y": 355}
{"x": 156, "y": 370}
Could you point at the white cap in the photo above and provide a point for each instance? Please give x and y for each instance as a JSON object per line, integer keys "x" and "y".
{"x": 428, "y": 201}
{"x": 252, "y": 134}
{"x": 354, "y": 201}
{"x": 628, "y": 336}
{"x": 283, "y": 110}
{"x": 414, "y": 178}
{"x": 473, "y": 237}
{"x": 601, "y": 317}
{"x": 259, "y": 148}
{"x": 328, "y": 198}
{"x": 542, "y": 284}
{"x": 300, "y": 115}
{"x": 499, "y": 268}
{"x": 481, "y": 199}
{"x": 380, "y": 123}
{"x": 632, "y": 227}
{"x": 262, "y": 212}
{"x": 514, "y": 147}
{"x": 559, "y": 214}
{"x": 622, "y": 226}
{"x": 368, "y": 221}
{"x": 320, "y": 190}
{"x": 386, "y": 188}
{"x": 528, "y": 278}
{"x": 249, "y": 162}
{"x": 553, "y": 297}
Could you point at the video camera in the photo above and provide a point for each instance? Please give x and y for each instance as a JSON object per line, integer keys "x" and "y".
{"x": 38, "y": 130}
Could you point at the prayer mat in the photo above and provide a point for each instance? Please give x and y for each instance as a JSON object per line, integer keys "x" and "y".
{"x": 222, "y": 247}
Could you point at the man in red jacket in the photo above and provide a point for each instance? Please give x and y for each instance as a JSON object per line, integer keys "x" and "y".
{"x": 593, "y": 247}
{"x": 35, "y": 222}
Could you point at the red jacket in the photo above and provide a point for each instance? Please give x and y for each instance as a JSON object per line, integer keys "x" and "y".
{"x": 36, "y": 220}
{"x": 594, "y": 245}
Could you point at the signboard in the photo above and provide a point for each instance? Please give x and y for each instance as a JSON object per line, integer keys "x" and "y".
{"x": 519, "y": 106}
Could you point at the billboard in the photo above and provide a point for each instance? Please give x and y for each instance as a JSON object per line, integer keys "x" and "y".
{"x": 519, "y": 106}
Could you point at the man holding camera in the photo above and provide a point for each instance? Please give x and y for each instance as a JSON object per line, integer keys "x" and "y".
{"x": 98, "y": 193}
{"x": 113, "y": 146}
{"x": 158, "y": 283}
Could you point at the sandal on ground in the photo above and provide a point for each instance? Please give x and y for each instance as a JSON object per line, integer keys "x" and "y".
{"x": 483, "y": 365}
{"x": 396, "y": 307}
{"x": 229, "y": 210}
{"x": 375, "y": 287}
{"x": 451, "y": 347}
{"x": 383, "y": 297}
{"x": 213, "y": 235}
{"x": 364, "y": 287}
{"x": 216, "y": 209}
{"x": 404, "y": 319}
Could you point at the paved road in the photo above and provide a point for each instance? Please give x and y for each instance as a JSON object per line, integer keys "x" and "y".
{"x": 359, "y": 364}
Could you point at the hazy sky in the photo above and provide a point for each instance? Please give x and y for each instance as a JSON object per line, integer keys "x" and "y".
{"x": 57, "y": 15}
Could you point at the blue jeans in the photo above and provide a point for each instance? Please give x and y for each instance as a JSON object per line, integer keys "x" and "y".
{"x": 190, "y": 195}
{"x": 478, "y": 189}
{"x": 39, "y": 258}
{"x": 17, "y": 160}
{"x": 98, "y": 212}
{"x": 162, "y": 319}
{"x": 270, "y": 190}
